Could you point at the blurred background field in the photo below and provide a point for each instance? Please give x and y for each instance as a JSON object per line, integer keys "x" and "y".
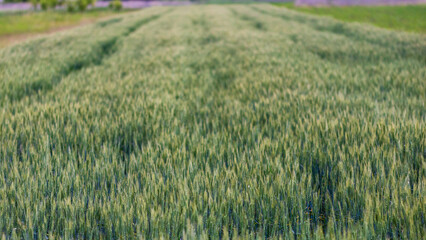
{"x": 35, "y": 22}
{"x": 16, "y": 26}
{"x": 411, "y": 18}
{"x": 18, "y": 20}
{"x": 23, "y": 22}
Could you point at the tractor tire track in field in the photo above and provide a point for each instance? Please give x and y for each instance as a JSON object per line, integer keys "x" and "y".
{"x": 111, "y": 46}
{"x": 98, "y": 55}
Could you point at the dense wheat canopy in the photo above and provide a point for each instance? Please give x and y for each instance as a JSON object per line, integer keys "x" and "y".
{"x": 242, "y": 121}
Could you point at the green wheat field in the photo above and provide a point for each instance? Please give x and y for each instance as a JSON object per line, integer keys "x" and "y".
{"x": 214, "y": 122}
